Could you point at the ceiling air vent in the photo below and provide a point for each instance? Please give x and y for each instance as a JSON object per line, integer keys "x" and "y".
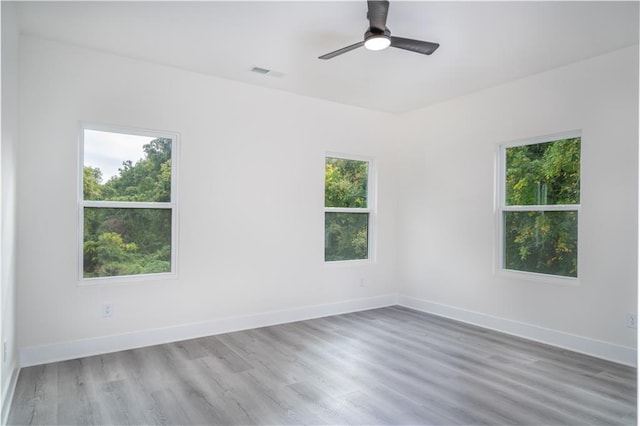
{"x": 265, "y": 71}
{"x": 259, "y": 70}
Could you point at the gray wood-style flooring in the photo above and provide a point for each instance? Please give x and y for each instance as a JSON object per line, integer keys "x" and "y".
{"x": 383, "y": 366}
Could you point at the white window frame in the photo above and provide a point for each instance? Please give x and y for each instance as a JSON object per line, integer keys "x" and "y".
{"x": 171, "y": 205}
{"x": 501, "y": 208}
{"x": 370, "y": 209}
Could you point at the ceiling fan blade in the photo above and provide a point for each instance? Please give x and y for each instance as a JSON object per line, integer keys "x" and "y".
{"x": 418, "y": 46}
{"x": 377, "y": 14}
{"x": 341, "y": 51}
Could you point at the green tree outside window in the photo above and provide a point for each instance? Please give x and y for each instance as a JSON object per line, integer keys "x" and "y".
{"x": 120, "y": 241}
{"x": 540, "y": 213}
{"x": 346, "y": 209}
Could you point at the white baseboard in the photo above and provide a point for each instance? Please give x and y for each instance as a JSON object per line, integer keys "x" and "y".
{"x": 609, "y": 351}
{"x": 37, "y": 355}
{"x": 7, "y": 394}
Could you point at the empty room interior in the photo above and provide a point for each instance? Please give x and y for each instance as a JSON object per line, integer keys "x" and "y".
{"x": 299, "y": 212}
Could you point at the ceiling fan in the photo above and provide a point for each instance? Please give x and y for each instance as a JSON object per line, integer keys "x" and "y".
{"x": 378, "y": 36}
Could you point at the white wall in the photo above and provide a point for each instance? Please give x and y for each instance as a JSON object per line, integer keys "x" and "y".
{"x": 8, "y": 198}
{"x": 448, "y": 223}
{"x": 251, "y": 200}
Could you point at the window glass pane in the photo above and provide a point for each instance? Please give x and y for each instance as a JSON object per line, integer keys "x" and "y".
{"x": 126, "y": 241}
{"x": 346, "y": 236}
{"x": 345, "y": 183}
{"x": 542, "y": 242}
{"x": 122, "y": 167}
{"x": 543, "y": 174}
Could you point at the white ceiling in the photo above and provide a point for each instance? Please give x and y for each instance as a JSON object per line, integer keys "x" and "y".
{"x": 482, "y": 44}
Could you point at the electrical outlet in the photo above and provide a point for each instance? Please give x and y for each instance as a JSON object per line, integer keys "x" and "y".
{"x": 362, "y": 282}
{"x": 632, "y": 320}
{"x": 107, "y": 310}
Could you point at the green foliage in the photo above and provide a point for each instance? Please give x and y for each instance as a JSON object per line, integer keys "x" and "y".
{"x": 345, "y": 183}
{"x": 91, "y": 186}
{"x": 109, "y": 256}
{"x": 542, "y": 242}
{"x": 147, "y": 180}
{"x": 129, "y": 241}
{"x": 346, "y": 234}
{"x": 543, "y": 174}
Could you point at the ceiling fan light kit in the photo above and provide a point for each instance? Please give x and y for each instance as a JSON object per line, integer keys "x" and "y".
{"x": 378, "y": 36}
{"x": 377, "y": 42}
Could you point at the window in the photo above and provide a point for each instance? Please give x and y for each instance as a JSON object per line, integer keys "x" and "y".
{"x": 127, "y": 203}
{"x": 539, "y": 206}
{"x": 348, "y": 209}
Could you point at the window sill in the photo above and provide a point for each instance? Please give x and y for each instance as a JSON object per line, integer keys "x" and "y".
{"x": 538, "y": 278}
{"x": 344, "y": 263}
{"x": 126, "y": 279}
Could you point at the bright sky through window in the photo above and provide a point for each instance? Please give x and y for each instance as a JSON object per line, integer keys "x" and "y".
{"x": 107, "y": 150}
